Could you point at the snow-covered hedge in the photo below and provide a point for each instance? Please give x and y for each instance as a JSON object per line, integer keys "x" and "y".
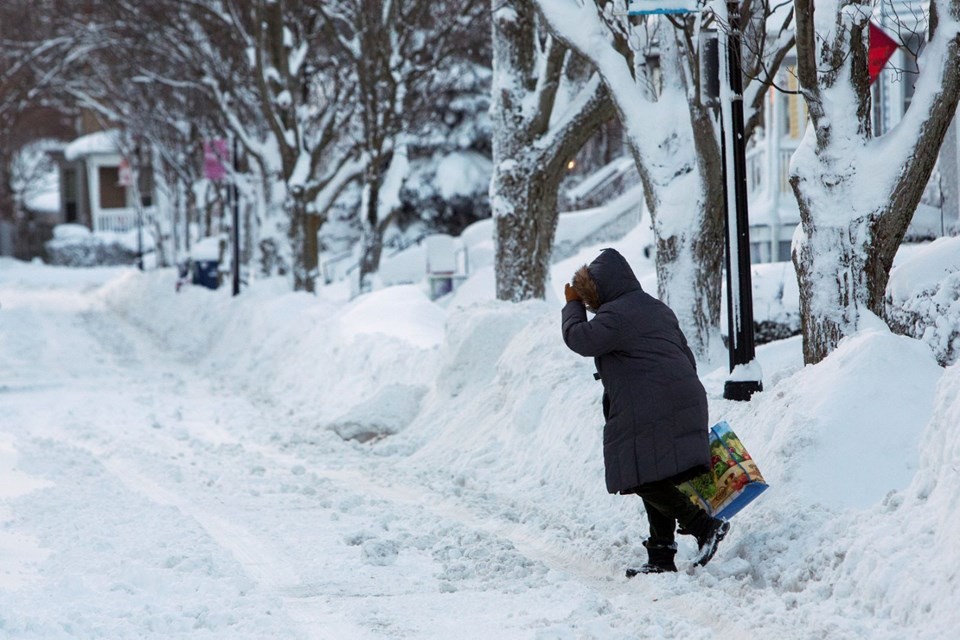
{"x": 74, "y": 245}
{"x": 923, "y": 299}
{"x": 932, "y": 315}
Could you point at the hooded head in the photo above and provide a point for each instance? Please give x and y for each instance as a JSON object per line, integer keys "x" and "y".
{"x": 607, "y": 278}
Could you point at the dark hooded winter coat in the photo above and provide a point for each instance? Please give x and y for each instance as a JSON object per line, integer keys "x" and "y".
{"x": 654, "y": 405}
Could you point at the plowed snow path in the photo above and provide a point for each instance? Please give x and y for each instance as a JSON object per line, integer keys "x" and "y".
{"x": 173, "y": 509}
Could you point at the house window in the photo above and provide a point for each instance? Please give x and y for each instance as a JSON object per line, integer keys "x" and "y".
{"x": 70, "y": 195}
{"x": 796, "y": 111}
{"x": 112, "y": 195}
{"x": 759, "y": 252}
{"x": 784, "y": 251}
{"x": 911, "y": 70}
{"x": 146, "y": 186}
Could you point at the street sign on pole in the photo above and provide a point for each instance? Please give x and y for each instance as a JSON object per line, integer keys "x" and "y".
{"x": 661, "y": 7}
{"x": 134, "y": 182}
{"x": 124, "y": 173}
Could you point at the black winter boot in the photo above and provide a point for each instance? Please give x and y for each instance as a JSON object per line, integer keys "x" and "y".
{"x": 659, "y": 559}
{"x": 708, "y": 532}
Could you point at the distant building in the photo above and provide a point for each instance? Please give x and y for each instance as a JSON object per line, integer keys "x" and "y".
{"x": 29, "y": 207}
{"x": 774, "y": 214}
{"x": 96, "y": 184}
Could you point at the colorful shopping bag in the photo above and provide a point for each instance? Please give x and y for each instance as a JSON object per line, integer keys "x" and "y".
{"x": 734, "y": 479}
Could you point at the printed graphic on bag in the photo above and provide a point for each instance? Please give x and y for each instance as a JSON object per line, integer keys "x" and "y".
{"x": 734, "y": 479}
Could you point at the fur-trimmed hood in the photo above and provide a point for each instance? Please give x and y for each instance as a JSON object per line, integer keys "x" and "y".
{"x": 586, "y": 288}
{"x": 607, "y": 278}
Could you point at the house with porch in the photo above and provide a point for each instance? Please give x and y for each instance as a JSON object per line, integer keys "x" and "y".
{"x": 97, "y": 188}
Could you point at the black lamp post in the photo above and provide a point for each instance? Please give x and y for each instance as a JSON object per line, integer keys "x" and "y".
{"x": 139, "y": 202}
{"x": 236, "y": 217}
{"x": 745, "y": 374}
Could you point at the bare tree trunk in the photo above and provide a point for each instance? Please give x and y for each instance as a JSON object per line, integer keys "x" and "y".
{"x": 7, "y": 200}
{"x": 373, "y": 228}
{"x": 372, "y": 251}
{"x": 831, "y": 277}
{"x": 703, "y": 309}
{"x": 303, "y": 242}
{"x": 524, "y": 239}
{"x": 530, "y": 146}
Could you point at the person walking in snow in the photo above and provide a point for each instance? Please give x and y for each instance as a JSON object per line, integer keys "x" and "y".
{"x": 654, "y": 405}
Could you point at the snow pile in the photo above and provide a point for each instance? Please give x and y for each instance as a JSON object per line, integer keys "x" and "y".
{"x": 326, "y": 357}
{"x": 905, "y": 562}
{"x": 776, "y": 308}
{"x": 845, "y": 432}
{"x": 23, "y": 550}
{"x": 923, "y": 297}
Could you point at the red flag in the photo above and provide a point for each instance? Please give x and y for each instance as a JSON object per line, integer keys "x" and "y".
{"x": 882, "y": 47}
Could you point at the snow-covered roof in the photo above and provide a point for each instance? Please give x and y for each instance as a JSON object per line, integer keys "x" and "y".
{"x": 91, "y": 144}
{"x": 44, "y": 202}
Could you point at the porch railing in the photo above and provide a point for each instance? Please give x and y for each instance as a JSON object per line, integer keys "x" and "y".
{"x": 758, "y": 168}
{"x": 121, "y": 220}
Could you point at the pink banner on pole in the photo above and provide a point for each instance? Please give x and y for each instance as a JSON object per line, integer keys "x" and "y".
{"x": 215, "y": 158}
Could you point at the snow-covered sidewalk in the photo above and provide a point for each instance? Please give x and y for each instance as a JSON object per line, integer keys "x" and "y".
{"x": 175, "y": 466}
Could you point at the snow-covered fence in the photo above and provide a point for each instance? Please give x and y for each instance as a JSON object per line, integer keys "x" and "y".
{"x": 122, "y": 220}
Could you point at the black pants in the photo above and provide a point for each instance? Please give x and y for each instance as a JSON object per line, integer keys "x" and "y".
{"x": 666, "y": 505}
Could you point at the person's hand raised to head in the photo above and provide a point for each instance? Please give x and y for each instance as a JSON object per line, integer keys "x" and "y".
{"x": 570, "y": 293}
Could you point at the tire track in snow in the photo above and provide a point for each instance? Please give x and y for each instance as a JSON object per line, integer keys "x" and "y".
{"x": 270, "y": 570}
{"x": 261, "y": 563}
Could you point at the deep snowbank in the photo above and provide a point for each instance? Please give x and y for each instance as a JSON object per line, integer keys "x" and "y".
{"x": 319, "y": 356}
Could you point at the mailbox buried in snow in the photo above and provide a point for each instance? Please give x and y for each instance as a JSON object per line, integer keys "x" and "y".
{"x": 441, "y": 264}
{"x": 443, "y": 268}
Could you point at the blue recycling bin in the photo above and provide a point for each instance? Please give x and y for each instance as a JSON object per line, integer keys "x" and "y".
{"x": 206, "y": 273}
